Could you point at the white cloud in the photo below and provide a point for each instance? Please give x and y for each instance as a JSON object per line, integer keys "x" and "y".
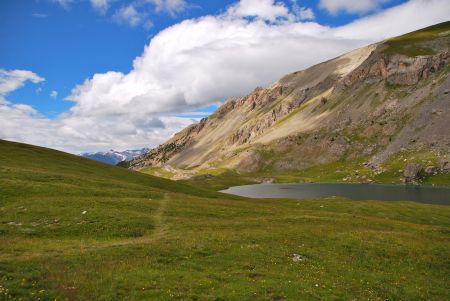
{"x": 129, "y": 15}
{"x": 199, "y": 62}
{"x": 397, "y": 20}
{"x": 101, "y": 5}
{"x": 302, "y": 13}
{"x": 39, "y": 15}
{"x": 136, "y": 13}
{"x": 54, "y": 94}
{"x": 11, "y": 80}
{"x": 262, "y": 9}
{"x": 64, "y": 3}
{"x": 77, "y": 134}
{"x": 350, "y": 6}
{"x": 172, "y": 7}
{"x": 270, "y": 11}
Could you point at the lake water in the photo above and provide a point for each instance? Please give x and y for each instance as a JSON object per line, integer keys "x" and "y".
{"x": 421, "y": 194}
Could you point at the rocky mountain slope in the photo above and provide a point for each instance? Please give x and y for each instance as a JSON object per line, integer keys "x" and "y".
{"x": 373, "y": 105}
{"x": 113, "y": 157}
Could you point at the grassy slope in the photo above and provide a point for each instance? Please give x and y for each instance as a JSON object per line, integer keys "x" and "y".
{"x": 410, "y": 43}
{"x": 144, "y": 238}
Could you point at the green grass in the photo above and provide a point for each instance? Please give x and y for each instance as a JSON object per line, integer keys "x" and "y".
{"x": 145, "y": 238}
{"x": 410, "y": 43}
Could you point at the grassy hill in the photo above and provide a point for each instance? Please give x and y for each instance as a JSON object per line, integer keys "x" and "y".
{"x": 75, "y": 229}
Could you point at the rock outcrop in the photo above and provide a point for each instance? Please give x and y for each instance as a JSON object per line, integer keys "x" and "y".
{"x": 444, "y": 165}
{"x": 412, "y": 173}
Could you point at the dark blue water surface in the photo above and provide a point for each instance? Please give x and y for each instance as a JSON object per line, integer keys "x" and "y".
{"x": 421, "y": 194}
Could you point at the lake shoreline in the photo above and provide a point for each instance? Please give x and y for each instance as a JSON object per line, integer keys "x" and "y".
{"x": 355, "y": 191}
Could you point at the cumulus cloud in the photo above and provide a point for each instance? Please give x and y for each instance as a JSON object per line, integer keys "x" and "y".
{"x": 77, "y": 134}
{"x": 351, "y": 6}
{"x": 172, "y": 7}
{"x": 63, "y": 3}
{"x": 100, "y": 5}
{"x": 11, "y": 80}
{"x": 129, "y": 15}
{"x": 211, "y": 58}
{"x": 54, "y": 94}
{"x": 74, "y": 132}
{"x": 397, "y": 20}
{"x": 203, "y": 61}
{"x": 137, "y": 12}
{"x": 302, "y": 13}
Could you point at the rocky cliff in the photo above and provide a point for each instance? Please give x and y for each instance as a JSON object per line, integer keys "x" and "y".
{"x": 368, "y": 105}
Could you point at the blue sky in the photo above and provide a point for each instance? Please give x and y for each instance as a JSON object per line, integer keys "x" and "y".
{"x": 67, "y": 42}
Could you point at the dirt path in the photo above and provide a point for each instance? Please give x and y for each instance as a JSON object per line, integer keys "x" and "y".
{"x": 76, "y": 247}
{"x": 160, "y": 229}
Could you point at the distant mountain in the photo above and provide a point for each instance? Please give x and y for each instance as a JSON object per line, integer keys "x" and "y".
{"x": 113, "y": 157}
{"x": 376, "y": 109}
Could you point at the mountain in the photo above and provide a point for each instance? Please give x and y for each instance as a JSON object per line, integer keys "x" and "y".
{"x": 372, "y": 110}
{"x": 113, "y": 157}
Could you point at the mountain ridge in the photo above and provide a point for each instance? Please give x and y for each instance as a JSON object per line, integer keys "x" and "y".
{"x": 367, "y": 105}
{"x": 113, "y": 157}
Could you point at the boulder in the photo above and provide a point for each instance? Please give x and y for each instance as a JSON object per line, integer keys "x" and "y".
{"x": 430, "y": 170}
{"x": 412, "y": 173}
{"x": 444, "y": 165}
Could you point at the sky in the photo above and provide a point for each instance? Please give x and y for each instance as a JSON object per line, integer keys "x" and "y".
{"x": 92, "y": 75}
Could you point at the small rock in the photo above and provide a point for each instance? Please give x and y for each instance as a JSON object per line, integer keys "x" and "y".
{"x": 84, "y": 212}
{"x": 446, "y": 91}
{"x": 14, "y": 224}
{"x": 298, "y": 258}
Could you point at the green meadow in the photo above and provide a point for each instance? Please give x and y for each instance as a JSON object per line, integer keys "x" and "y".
{"x": 75, "y": 229}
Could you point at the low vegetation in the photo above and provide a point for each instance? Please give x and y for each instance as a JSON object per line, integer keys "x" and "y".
{"x": 75, "y": 229}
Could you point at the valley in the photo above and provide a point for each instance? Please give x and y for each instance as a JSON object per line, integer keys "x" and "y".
{"x": 76, "y": 229}
{"x": 169, "y": 224}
